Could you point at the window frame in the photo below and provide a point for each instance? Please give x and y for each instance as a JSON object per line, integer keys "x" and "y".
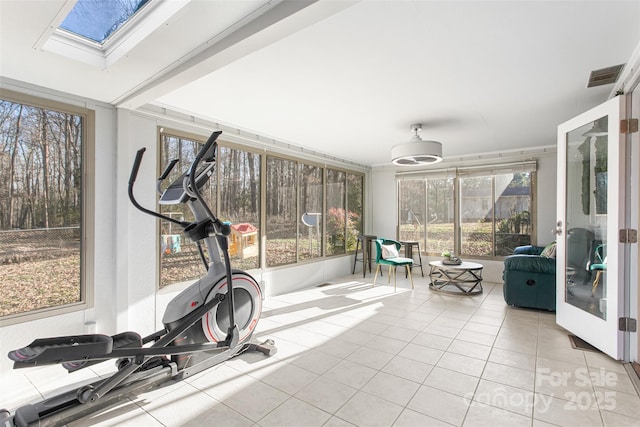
{"x": 87, "y": 222}
{"x": 457, "y": 174}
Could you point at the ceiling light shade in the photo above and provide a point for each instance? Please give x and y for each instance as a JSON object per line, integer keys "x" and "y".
{"x": 599, "y": 127}
{"x": 416, "y": 152}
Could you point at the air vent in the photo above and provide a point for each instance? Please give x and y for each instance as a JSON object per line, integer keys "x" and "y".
{"x": 605, "y": 76}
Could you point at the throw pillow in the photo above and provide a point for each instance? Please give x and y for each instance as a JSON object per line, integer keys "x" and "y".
{"x": 549, "y": 251}
{"x": 389, "y": 251}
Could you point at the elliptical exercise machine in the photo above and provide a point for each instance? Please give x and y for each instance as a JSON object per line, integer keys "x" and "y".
{"x": 209, "y": 322}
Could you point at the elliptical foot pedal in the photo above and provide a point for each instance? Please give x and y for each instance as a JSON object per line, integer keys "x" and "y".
{"x": 122, "y": 340}
{"x": 48, "y": 351}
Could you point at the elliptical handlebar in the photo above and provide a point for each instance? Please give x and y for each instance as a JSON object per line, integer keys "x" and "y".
{"x": 209, "y": 148}
{"x": 168, "y": 170}
{"x": 136, "y": 166}
{"x": 132, "y": 179}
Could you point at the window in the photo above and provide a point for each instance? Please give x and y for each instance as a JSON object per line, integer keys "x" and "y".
{"x": 355, "y": 188}
{"x": 97, "y": 20}
{"x": 490, "y": 216}
{"x": 42, "y": 211}
{"x": 239, "y": 195}
{"x": 179, "y": 257}
{"x": 476, "y": 225}
{"x": 239, "y": 181}
{"x": 427, "y": 213}
{"x": 310, "y": 213}
{"x": 440, "y": 224}
{"x": 292, "y": 208}
{"x": 344, "y": 211}
{"x": 281, "y": 212}
{"x": 336, "y": 214}
{"x": 512, "y": 212}
{"x": 412, "y": 202}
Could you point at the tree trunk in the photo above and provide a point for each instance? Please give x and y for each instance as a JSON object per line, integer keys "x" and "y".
{"x": 252, "y": 184}
{"x": 45, "y": 167}
{"x": 14, "y": 151}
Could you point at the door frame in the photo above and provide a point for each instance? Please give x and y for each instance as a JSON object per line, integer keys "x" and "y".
{"x": 632, "y": 296}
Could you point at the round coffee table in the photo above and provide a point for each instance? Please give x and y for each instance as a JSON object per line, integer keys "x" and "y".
{"x": 460, "y": 279}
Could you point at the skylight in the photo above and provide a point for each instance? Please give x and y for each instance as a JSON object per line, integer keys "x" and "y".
{"x": 96, "y": 20}
{"x": 100, "y": 32}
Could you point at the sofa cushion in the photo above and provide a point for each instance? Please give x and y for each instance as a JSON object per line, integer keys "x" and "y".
{"x": 532, "y": 263}
{"x": 528, "y": 250}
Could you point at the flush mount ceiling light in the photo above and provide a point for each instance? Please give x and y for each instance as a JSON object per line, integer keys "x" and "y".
{"x": 416, "y": 152}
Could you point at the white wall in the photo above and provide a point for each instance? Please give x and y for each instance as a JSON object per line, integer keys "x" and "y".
{"x": 546, "y": 199}
{"x": 136, "y": 250}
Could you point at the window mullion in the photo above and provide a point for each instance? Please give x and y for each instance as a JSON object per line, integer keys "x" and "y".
{"x": 298, "y": 214}
{"x": 493, "y": 215}
{"x": 457, "y": 229}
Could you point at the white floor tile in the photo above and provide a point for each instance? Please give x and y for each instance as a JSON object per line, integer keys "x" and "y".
{"x": 408, "y": 369}
{"x": 337, "y": 422}
{"x": 480, "y": 415}
{"x": 386, "y": 344}
{"x": 505, "y": 397}
{"x": 285, "y": 377}
{"x": 293, "y": 412}
{"x": 513, "y": 358}
{"x": 389, "y": 387}
{"x": 477, "y": 351}
{"x": 351, "y": 374}
{"x": 434, "y": 341}
{"x": 443, "y": 406}
{"x": 366, "y": 410}
{"x": 316, "y": 361}
{"x": 566, "y": 413}
{"x": 421, "y": 353}
{"x": 460, "y": 363}
{"x": 326, "y": 394}
{"x": 509, "y": 375}
{"x": 256, "y": 400}
{"x": 369, "y": 357}
{"x": 453, "y": 382}
{"x": 409, "y": 418}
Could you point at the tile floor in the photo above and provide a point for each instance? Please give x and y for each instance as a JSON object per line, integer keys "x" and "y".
{"x": 350, "y": 354}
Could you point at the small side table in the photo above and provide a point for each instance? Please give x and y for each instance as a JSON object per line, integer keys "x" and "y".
{"x": 364, "y": 244}
{"x": 408, "y": 253}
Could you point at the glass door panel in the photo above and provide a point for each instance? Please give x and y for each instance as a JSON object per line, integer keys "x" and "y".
{"x": 586, "y": 217}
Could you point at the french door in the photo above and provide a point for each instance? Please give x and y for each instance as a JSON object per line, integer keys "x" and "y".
{"x": 590, "y": 211}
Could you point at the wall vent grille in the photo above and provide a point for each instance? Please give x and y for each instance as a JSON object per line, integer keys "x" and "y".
{"x": 605, "y": 76}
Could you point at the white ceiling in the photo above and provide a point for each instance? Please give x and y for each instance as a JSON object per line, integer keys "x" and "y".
{"x": 348, "y": 78}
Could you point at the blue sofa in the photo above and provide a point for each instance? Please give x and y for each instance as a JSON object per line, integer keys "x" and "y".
{"x": 530, "y": 279}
